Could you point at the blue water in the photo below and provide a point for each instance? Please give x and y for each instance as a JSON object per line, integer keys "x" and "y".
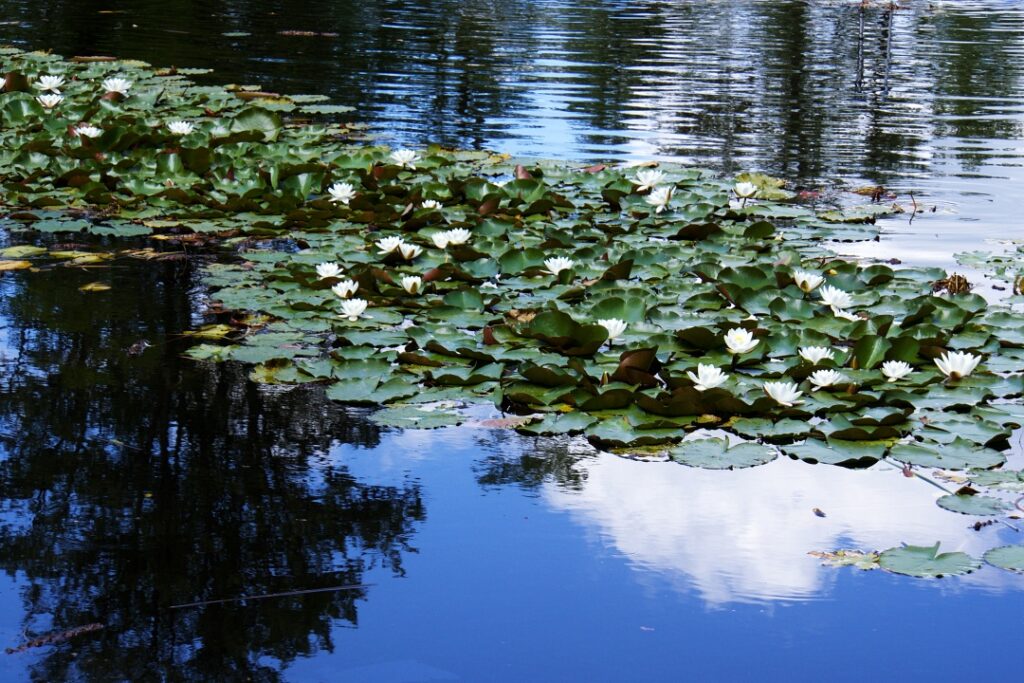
{"x": 133, "y": 483}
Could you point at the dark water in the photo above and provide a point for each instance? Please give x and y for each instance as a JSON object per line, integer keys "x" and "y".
{"x": 132, "y": 484}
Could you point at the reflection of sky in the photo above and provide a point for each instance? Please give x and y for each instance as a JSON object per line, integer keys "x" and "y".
{"x": 681, "y": 574}
{"x": 726, "y": 537}
{"x": 745, "y": 535}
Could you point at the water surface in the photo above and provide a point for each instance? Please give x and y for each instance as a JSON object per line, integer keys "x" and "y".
{"x": 132, "y": 483}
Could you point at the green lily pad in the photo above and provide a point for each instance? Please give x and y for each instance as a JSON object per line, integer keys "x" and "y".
{"x": 715, "y": 454}
{"x": 927, "y": 561}
{"x": 1008, "y": 557}
{"x": 958, "y": 455}
{"x": 974, "y": 505}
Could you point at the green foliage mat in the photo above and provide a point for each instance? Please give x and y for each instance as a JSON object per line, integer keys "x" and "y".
{"x": 586, "y": 298}
{"x": 675, "y": 256}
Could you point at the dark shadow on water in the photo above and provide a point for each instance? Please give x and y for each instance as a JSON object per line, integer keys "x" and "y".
{"x": 132, "y": 483}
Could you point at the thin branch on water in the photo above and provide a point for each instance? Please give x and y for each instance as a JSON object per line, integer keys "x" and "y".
{"x": 347, "y": 587}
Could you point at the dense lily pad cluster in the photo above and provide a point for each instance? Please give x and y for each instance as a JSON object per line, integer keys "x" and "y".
{"x": 651, "y": 309}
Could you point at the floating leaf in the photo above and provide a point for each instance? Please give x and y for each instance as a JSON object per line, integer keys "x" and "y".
{"x": 926, "y": 561}
{"x": 1008, "y": 557}
{"x": 974, "y": 505}
{"x": 958, "y": 455}
{"x": 715, "y": 454}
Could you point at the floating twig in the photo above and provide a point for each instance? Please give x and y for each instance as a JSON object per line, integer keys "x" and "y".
{"x": 347, "y": 587}
{"x": 55, "y": 637}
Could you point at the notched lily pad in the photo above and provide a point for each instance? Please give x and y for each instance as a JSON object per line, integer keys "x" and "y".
{"x": 927, "y": 561}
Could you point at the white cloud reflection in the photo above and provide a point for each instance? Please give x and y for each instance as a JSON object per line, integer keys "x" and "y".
{"x": 744, "y": 536}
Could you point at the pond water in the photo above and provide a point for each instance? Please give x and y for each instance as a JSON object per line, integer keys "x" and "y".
{"x": 133, "y": 484}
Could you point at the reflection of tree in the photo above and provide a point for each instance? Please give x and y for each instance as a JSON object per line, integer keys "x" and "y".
{"x": 805, "y": 90}
{"x": 548, "y": 461}
{"x": 134, "y": 483}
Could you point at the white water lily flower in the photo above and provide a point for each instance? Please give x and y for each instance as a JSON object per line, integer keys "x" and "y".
{"x": 51, "y": 83}
{"x": 807, "y": 282}
{"x": 353, "y": 309}
{"x": 845, "y": 315}
{"x": 117, "y": 84}
{"x": 404, "y": 158}
{"x": 614, "y": 326}
{"x": 345, "y": 288}
{"x": 707, "y": 377}
{"x": 325, "y": 270}
{"x": 389, "y": 244}
{"x": 835, "y": 297}
{"x": 825, "y": 378}
{"x": 341, "y": 192}
{"x": 739, "y": 340}
{"x": 50, "y": 101}
{"x": 557, "y": 264}
{"x": 659, "y": 198}
{"x": 783, "y": 393}
{"x": 957, "y": 364}
{"x": 87, "y": 131}
{"x": 458, "y": 236}
{"x": 409, "y": 251}
{"x": 815, "y": 354}
{"x": 440, "y": 239}
{"x": 895, "y": 370}
{"x": 649, "y": 179}
{"x": 745, "y": 190}
{"x": 412, "y": 283}
{"x": 431, "y": 204}
{"x": 180, "y": 127}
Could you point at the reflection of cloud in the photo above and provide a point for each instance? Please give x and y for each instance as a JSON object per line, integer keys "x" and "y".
{"x": 745, "y": 535}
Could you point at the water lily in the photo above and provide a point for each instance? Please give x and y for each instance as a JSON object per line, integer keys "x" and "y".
{"x": 345, "y": 288}
{"x": 404, "y": 158}
{"x": 557, "y": 264}
{"x": 835, "y": 297}
{"x": 825, "y": 378}
{"x": 353, "y": 309}
{"x": 739, "y": 340}
{"x": 180, "y": 127}
{"x": 458, "y": 236}
{"x": 957, "y": 364}
{"x": 431, "y": 204}
{"x": 117, "y": 84}
{"x": 783, "y": 393}
{"x": 815, "y": 354}
{"x": 51, "y": 83}
{"x": 409, "y": 251}
{"x": 659, "y": 198}
{"x": 87, "y": 131}
{"x": 614, "y": 326}
{"x": 807, "y": 282}
{"x": 50, "y": 101}
{"x": 648, "y": 179}
{"x": 745, "y": 190}
{"x": 895, "y": 370}
{"x": 341, "y": 192}
{"x": 412, "y": 283}
{"x": 389, "y": 244}
{"x": 845, "y": 315}
{"x": 440, "y": 239}
{"x": 707, "y": 377}
{"x": 325, "y": 270}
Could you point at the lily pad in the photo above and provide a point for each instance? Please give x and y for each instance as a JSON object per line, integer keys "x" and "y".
{"x": 927, "y": 561}
{"x": 974, "y": 505}
{"x": 1008, "y": 557}
{"x": 715, "y": 454}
